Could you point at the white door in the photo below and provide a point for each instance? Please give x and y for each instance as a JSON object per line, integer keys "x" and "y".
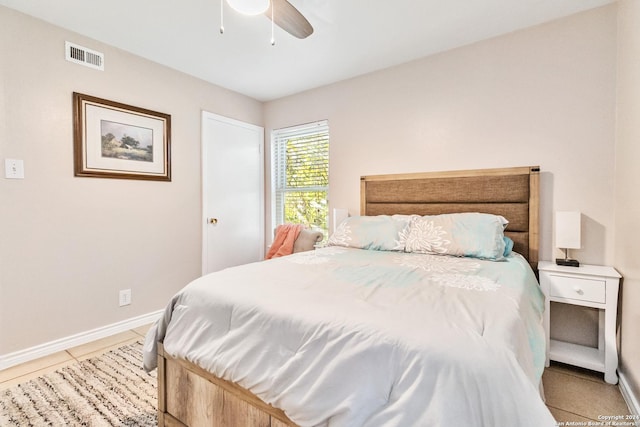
{"x": 232, "y": 192}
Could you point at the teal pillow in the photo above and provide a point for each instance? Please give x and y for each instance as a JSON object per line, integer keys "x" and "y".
{"x": 508, "y": 246}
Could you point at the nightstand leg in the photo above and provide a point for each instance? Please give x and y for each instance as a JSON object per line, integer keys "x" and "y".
{"x": 546, "y": 323}
{"x": 610, "y": 352}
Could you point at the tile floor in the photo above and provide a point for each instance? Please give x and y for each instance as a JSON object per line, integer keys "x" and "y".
{"x": 579, "y": 395}
{"x": 572, "y": 394}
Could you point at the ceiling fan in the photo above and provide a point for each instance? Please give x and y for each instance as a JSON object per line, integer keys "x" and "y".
{"x": 281, "y": 12}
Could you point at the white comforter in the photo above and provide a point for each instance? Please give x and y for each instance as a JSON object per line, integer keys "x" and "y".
{"x": 349, "y": 337}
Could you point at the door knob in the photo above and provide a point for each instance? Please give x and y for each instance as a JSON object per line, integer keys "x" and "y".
{"x": 213, "y": 220}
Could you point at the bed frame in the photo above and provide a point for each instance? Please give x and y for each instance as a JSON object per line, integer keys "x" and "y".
{"x": 191, "y": 396}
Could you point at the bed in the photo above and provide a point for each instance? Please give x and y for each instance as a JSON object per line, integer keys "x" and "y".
{"x": 363, "y": 333}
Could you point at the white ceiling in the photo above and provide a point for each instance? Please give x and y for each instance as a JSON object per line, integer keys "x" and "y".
{"x": 351, "y": 37}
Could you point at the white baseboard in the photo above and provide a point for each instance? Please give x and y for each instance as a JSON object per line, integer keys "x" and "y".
{"x": 22, "y": 356}
{"x": 627, "y": 393}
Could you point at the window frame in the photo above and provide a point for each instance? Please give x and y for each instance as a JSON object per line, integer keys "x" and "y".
{"x": 279, "y": 137}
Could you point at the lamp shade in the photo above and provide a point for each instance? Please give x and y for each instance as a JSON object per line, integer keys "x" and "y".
{"x": 568, "y": 226}
{"x": 249, "y": 7}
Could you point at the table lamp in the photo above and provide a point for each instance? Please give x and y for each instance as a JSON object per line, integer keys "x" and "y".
{"x": 568, "y": 226}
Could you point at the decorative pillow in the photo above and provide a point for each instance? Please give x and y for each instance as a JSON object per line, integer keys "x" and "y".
{"x": 474, "y": 235}
{"x": 380, "y": 233}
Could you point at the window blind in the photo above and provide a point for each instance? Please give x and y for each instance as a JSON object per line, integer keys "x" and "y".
{"x": 300, "y": 169}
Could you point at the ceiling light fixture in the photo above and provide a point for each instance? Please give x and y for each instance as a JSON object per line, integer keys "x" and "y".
{"x": 249, "y": 7}
{"x": 286, "y": 17}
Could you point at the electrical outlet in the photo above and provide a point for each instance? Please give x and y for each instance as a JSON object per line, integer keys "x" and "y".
{"x": 125, "y": 297}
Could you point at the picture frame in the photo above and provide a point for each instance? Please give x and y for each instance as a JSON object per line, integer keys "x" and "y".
{"x": 116, "y": 140}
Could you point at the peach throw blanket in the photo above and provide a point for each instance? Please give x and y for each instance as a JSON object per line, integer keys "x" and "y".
{"x": 286, "y": 235}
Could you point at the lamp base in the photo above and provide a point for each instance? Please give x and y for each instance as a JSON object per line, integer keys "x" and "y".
{"x": 567, "y": 262}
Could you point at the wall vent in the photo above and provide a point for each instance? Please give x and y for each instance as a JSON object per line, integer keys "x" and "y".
{"x": 82, "y": 55}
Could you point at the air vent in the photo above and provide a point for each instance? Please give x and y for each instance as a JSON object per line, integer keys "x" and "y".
{"x": 82, "y": 55}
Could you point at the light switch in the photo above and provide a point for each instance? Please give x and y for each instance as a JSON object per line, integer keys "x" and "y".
{"x": 13, "y": 169}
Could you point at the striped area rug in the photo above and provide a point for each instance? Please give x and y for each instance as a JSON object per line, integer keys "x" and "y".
{"x": 110, "y": 390}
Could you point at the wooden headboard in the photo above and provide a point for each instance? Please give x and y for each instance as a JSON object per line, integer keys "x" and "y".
{"x": 510, "y": 192}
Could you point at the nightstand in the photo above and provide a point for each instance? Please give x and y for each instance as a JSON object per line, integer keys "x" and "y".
{"x": 590, "y": 286}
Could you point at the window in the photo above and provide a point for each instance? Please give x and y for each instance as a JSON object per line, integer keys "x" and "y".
{"x": 300, "y": 173}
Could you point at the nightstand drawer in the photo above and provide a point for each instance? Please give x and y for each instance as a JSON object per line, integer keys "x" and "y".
{"x": 577, "y": 288}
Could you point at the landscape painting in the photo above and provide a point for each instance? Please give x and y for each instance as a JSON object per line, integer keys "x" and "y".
{"x": 122, "y": 141}
{"x": 116, "y": 140}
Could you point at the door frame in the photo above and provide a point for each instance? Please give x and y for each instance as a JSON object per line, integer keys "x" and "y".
{"x": 205, "y": 185}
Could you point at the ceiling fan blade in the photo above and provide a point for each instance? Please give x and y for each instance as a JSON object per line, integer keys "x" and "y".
{"x": 287, "y": 17}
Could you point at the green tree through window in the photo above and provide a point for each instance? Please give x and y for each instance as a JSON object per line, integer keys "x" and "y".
{"x": 301, "y": 175}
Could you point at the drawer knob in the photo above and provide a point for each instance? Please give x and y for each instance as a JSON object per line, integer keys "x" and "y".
{"x": 578, "y": 290}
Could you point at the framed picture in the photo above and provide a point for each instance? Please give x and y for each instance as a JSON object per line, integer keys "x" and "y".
{"x": 114, "y": 140}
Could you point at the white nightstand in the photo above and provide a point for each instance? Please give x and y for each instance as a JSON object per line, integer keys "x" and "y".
{"x": 591, "y": 286}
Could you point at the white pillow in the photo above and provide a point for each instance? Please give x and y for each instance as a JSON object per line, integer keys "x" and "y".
{"x": 381, "y": 232}
{"x": 476, "y": 235}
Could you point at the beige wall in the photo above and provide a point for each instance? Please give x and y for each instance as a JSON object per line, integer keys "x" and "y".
{"x": 68, "y": 245}
{"x": 543, "y": 96}
{"x": 627, "y": 200}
